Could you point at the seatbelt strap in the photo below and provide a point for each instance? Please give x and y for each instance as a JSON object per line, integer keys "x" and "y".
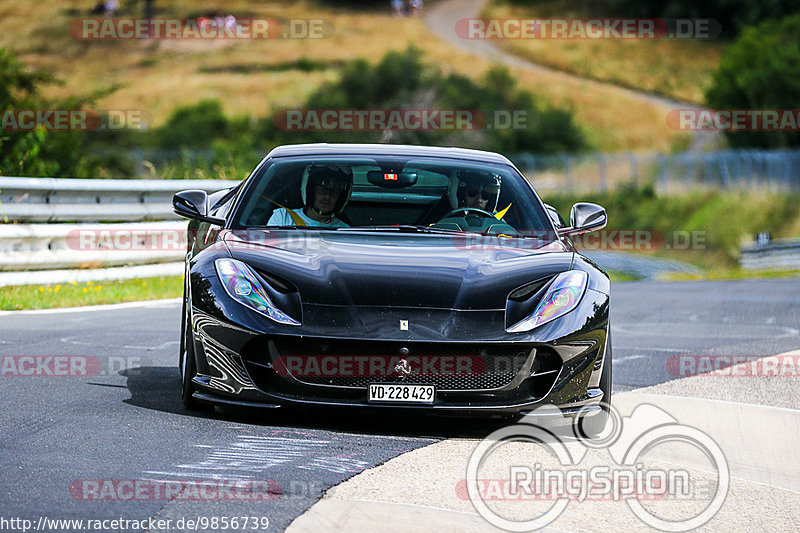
{"x": 297, "y": 219}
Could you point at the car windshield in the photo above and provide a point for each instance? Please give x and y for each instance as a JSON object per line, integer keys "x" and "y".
{"x": 423, "y": 194}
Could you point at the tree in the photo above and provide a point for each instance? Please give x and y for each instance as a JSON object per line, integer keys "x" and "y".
{"x": 732, "y": 15}
{"x": 20, "y": 151}
{"x": 761, "y": 70}
{"x": 38, "y": 152}
{"x": 403, "y": 81}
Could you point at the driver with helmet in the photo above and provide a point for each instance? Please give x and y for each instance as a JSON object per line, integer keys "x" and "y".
{"x": 325, "y": 190}
{"x": 477, "y": 189}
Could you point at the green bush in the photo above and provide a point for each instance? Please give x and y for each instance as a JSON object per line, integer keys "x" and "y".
{"x": 402, "y": 80}
{"x": 760, "y": 71}
{"x": 39, "y": 152}
{"x": 199, "y": 140}
{"x": 733, "y": 16}
{"x": 726, "y": 218}
{"x": 195, "y": 126}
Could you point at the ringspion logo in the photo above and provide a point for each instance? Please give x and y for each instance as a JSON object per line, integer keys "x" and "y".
{"x": 529, "y": 465}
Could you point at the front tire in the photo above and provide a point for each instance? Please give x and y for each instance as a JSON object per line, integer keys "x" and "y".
{"x": 593, "y": 425}
{"x": 187, "y": 362}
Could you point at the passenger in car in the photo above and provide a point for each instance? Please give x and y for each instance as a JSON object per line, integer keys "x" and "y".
{"x": 325, "y": 190}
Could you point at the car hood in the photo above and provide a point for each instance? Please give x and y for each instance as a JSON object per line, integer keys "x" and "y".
{"x": 462, "y": 272}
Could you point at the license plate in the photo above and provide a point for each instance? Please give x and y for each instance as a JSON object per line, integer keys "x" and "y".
{"x": 380, "y": 392}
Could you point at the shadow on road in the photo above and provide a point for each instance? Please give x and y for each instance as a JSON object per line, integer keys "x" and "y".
{"x": 158, "y": 388}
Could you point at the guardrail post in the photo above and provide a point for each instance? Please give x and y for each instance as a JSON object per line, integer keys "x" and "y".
{"x": 138, "y": 157}
{"x": 662, "y": 172}
{"x": 708, "y": 170}
{"x": 634, "y": 168}
{"x": 530, "y": 164}
{"x": 603, "y": 171}
{"x": 568, "y": 171}
{"x": 724, "y": 174}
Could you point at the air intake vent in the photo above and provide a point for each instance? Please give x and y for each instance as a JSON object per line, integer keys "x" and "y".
{"x": 522, "y": 301}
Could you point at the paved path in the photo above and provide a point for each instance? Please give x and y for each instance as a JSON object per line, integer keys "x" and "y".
{"x": 639, "y": 265}
{"x": 442, "y": 16}
{"x": 125, "y": 422}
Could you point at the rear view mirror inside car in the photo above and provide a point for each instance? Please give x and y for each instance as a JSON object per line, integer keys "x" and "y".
{"x": 390, "y": 179}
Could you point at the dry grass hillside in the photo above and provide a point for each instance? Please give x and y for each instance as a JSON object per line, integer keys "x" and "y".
{"x": 253, "y": 77}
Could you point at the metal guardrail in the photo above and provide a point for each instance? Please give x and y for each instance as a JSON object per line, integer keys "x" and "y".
{"x": 777, "y": 170}
{"x": 50, "y": 246}
{"x": 26, "y": 246}
{"x": 90, "y": 241}
{"x": 778, "y": 254}
{"x": 93, "y": 200}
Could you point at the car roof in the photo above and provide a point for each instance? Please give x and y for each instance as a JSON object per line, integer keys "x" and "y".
{"x": 387, "y": 149}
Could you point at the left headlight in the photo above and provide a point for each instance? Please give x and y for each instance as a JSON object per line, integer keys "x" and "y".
{"x": 563, "y": 295}
{"x": 242, "y": 285}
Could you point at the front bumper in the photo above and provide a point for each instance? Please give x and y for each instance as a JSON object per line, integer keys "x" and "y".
{"x": 585, "y": 406}
{"x": 236, "y": 367}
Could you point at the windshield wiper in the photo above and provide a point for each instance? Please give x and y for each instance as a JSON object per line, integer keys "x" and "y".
{"x": 402, "y": 228}
{"x": 290, "y": 226}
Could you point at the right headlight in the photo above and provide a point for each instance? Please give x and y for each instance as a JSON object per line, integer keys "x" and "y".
{"x": 563, "y": 295}
{"x": 242, "y": 285}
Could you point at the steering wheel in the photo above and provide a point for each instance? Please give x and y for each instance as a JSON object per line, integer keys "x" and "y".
{"x": 466, "y": 210}
{"x": 485, "y": 214}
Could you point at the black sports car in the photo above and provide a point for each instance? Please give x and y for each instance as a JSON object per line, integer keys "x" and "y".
{"x": 391, "y": 277}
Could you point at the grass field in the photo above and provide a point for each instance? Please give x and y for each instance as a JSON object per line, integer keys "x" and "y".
{"x": 703, "y": 228}
{"x": 62, "y": 295}
{"x": 254, "y": 77}
{"x": 679, "y": 69}
{"x": 89, "y": 293}
{"x": 731, "y": 274}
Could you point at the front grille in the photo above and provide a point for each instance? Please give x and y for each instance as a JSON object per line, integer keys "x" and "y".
{"x": 356, "y": 364}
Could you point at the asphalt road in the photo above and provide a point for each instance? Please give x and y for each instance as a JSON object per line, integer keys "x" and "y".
{"x": 62, "y": 438}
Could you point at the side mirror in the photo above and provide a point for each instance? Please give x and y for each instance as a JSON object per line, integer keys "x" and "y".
{"x": 194, "y": 204}
{"x": 585, "y": 217}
